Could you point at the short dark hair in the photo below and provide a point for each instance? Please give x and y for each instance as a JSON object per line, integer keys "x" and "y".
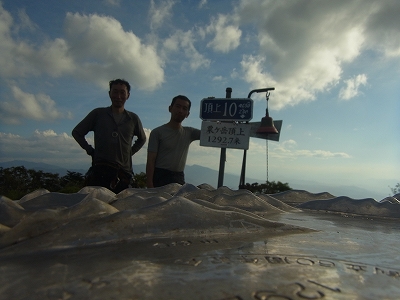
{"x": 182, "y": 98}
{"x": 120, "y": 81}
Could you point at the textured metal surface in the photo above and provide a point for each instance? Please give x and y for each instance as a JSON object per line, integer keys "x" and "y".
{"x": 346, "y": 258}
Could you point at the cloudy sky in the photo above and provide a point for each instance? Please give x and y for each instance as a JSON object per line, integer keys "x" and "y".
{"x": 335, "y": 67}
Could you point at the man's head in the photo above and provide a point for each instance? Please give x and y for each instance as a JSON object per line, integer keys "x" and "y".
{"x": 182, "y": 98}
{"x": 119, "y": 93}
{"x": 180, "y": 108}
{"x": 120, "y": 81}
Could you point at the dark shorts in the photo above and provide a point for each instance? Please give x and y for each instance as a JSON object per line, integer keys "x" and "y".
{"x": 163, "y": 177}
{"x": 108, "y": 176}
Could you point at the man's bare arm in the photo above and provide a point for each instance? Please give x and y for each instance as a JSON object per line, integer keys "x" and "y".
{"x": 150, "y": 166}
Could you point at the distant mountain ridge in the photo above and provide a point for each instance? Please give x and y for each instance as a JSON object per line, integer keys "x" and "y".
{"x": 40, "y": 167}
{"x": 197, "y": 175}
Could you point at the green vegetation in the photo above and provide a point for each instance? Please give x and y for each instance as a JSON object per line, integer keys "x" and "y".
{"x": 269, "y": 187}
{"x": 16, "y": 182}
{"x": 396, "y": 189}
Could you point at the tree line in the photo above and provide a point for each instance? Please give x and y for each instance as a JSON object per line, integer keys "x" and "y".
{"x": 396, "y": 189}
{"x": 16, "y": 182}
{"x": 269, "y": 187}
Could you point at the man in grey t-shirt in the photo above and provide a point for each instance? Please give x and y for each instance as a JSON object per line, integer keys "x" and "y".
{"x": 169, "y": 145}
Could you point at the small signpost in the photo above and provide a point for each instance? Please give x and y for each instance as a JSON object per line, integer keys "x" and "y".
{"x": 226, "y": 109}
{"x": 226, "y": 125}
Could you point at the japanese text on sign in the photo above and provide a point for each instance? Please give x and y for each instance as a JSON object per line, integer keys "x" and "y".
{"x": 225, "y": 135}
{"x": 226, "y": 109}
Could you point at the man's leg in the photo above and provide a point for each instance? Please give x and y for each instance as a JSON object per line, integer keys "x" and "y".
{"x": 104, "y": 176}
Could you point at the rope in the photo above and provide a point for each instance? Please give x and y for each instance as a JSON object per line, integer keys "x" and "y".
{"x": 266, "y": 141}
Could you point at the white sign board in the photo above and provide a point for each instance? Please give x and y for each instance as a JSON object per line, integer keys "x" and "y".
{"x": 225, "y": 135}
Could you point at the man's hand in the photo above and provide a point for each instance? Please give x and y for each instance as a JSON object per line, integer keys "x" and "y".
{"x": 90, "y": 150}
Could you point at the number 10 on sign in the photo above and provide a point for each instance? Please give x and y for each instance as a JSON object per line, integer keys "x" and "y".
{"x": 226, "y": 109}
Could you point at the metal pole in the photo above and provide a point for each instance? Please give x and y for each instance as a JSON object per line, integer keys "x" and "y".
{"x": 222, "y": 158}
{"x": 242, "y": 181}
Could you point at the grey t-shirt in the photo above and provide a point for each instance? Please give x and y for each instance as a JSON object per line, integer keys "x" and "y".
{"x": 172, "y": 146}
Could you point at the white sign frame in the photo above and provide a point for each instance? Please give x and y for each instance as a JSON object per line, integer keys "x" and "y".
{"x": 225, "y": 135}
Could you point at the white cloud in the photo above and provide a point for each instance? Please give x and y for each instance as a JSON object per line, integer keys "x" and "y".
{"x": 234, "y": 74}
{"x": 303, "y": 47}
{"x": 227, "y": 37}
{"x": 202, "y": 3}
{"x": 28, "y": 106}
{"x": 382, "y": 28}
{"x": 94, "y": 48}
{"x": 289, "y": 144}
{"x": 185, "y": 41}
{"x": 7, "y": 45}
{"x": 101, "y": 48}
{"x": 52, "y": 58}
{"x": 21, "y": 58}
{"x": 288, "y": 150}
{"x": 26, "y": 22}
{"x": 159, "y": 13}
{"x": 54, "y": 148}
{"x": 317, "y": 74}
{"x": 113, "y": 2}
{"x": 44, "y": 146}
{"x": 352, "y": 87}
